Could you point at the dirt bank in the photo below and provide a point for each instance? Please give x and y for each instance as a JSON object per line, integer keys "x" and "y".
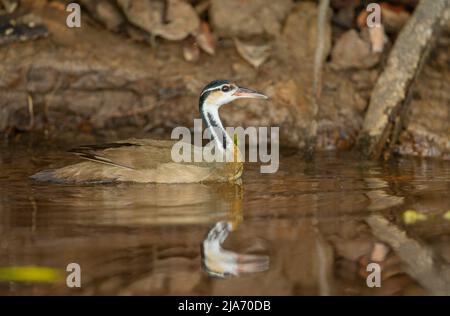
{"x": 96, "y": 77}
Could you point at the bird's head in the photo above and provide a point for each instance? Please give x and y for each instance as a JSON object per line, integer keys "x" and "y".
{"x": 220, "y": 92}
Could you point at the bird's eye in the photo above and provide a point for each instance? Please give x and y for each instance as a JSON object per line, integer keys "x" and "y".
{"x": 225, "y": 88}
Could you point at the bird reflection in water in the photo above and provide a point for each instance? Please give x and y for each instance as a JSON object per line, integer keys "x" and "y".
{"x": 222, "y": 263}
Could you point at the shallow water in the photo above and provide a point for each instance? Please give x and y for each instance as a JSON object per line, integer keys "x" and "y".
{"x": 311, "y": 228}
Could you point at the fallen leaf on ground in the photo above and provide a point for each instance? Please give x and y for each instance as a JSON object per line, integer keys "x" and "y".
{"x": 255, "y": 55}
{"x": 10, "y": 5}
{"x": 245, "y": 18}
{"x": 202, "y": 6}
{"x": 351, "y": 51}
{"x": 394, "y": 16}
{"x": 361, "y": 19}
{"x": 379, "y": 252}
{"x": 191, "y": 52}
{"x": 57, "y": 6}
{"x": 175, "y": 23}
{"x": 205, "y": 39}
{"x": 377, "y": 38}
{"x": 182, "y": 19}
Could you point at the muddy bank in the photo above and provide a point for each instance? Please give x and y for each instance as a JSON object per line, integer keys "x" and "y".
{"x": 120, "y": 70}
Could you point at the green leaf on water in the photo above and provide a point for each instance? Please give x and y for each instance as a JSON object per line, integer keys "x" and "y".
{"x": 30, "y": 274}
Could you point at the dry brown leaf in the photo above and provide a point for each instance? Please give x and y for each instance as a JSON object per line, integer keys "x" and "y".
{"x": 394, "y": 16}
{"x": 361, "y": 19}
{"x": 377, "y": 38}
{"x": 245, "y": 18}
{"x": 255, "y": 55}
{"x": 202, "y": 6}
{"x": 57, "y": 6}
{"x": 183, "y": 20}
{"x": 10, "y": 5}
{"x": 205, "y": 39}
{"x": 191, "y": 52}
{"x": 144, "y": 14}
{"x": 379, "y": 252}
{"x": 353, "y": 52}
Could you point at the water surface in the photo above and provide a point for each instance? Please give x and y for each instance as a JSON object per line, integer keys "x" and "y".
{"x": 309, "y": 229}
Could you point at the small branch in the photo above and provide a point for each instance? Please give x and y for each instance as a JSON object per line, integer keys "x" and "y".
{"x": 320, "y": 46}
{"x": 319, "y": 57}
{"x": 30, "y": 112}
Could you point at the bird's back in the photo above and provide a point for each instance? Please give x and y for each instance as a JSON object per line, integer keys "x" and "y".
{"x": 139, "y": 160}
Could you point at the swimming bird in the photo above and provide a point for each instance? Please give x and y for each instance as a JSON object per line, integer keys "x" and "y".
{"x": 150, "y": 161}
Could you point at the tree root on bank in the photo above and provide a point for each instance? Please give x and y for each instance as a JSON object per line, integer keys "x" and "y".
{"x": 390, "y": 97}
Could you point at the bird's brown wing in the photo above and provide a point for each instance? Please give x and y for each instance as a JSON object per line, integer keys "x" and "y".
{"x": 133, "y": 154}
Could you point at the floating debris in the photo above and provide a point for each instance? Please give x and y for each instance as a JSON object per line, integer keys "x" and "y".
{"x": 412, "y": 217}
{"x": 447, "y": 215}
{"x": 30, "y": 274}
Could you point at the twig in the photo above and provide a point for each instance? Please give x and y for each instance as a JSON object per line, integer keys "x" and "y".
{"x": 317, "y": 73}
{"x": 30, "y": 112}
{"x": 320, "y": 46}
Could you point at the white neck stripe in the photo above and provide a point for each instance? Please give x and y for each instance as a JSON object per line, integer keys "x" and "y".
{"x": 212, "y": 89}
{"x": 217, "y": 139}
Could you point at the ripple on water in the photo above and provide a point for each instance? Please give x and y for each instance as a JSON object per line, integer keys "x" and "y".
{"x": 318, "y": 223}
